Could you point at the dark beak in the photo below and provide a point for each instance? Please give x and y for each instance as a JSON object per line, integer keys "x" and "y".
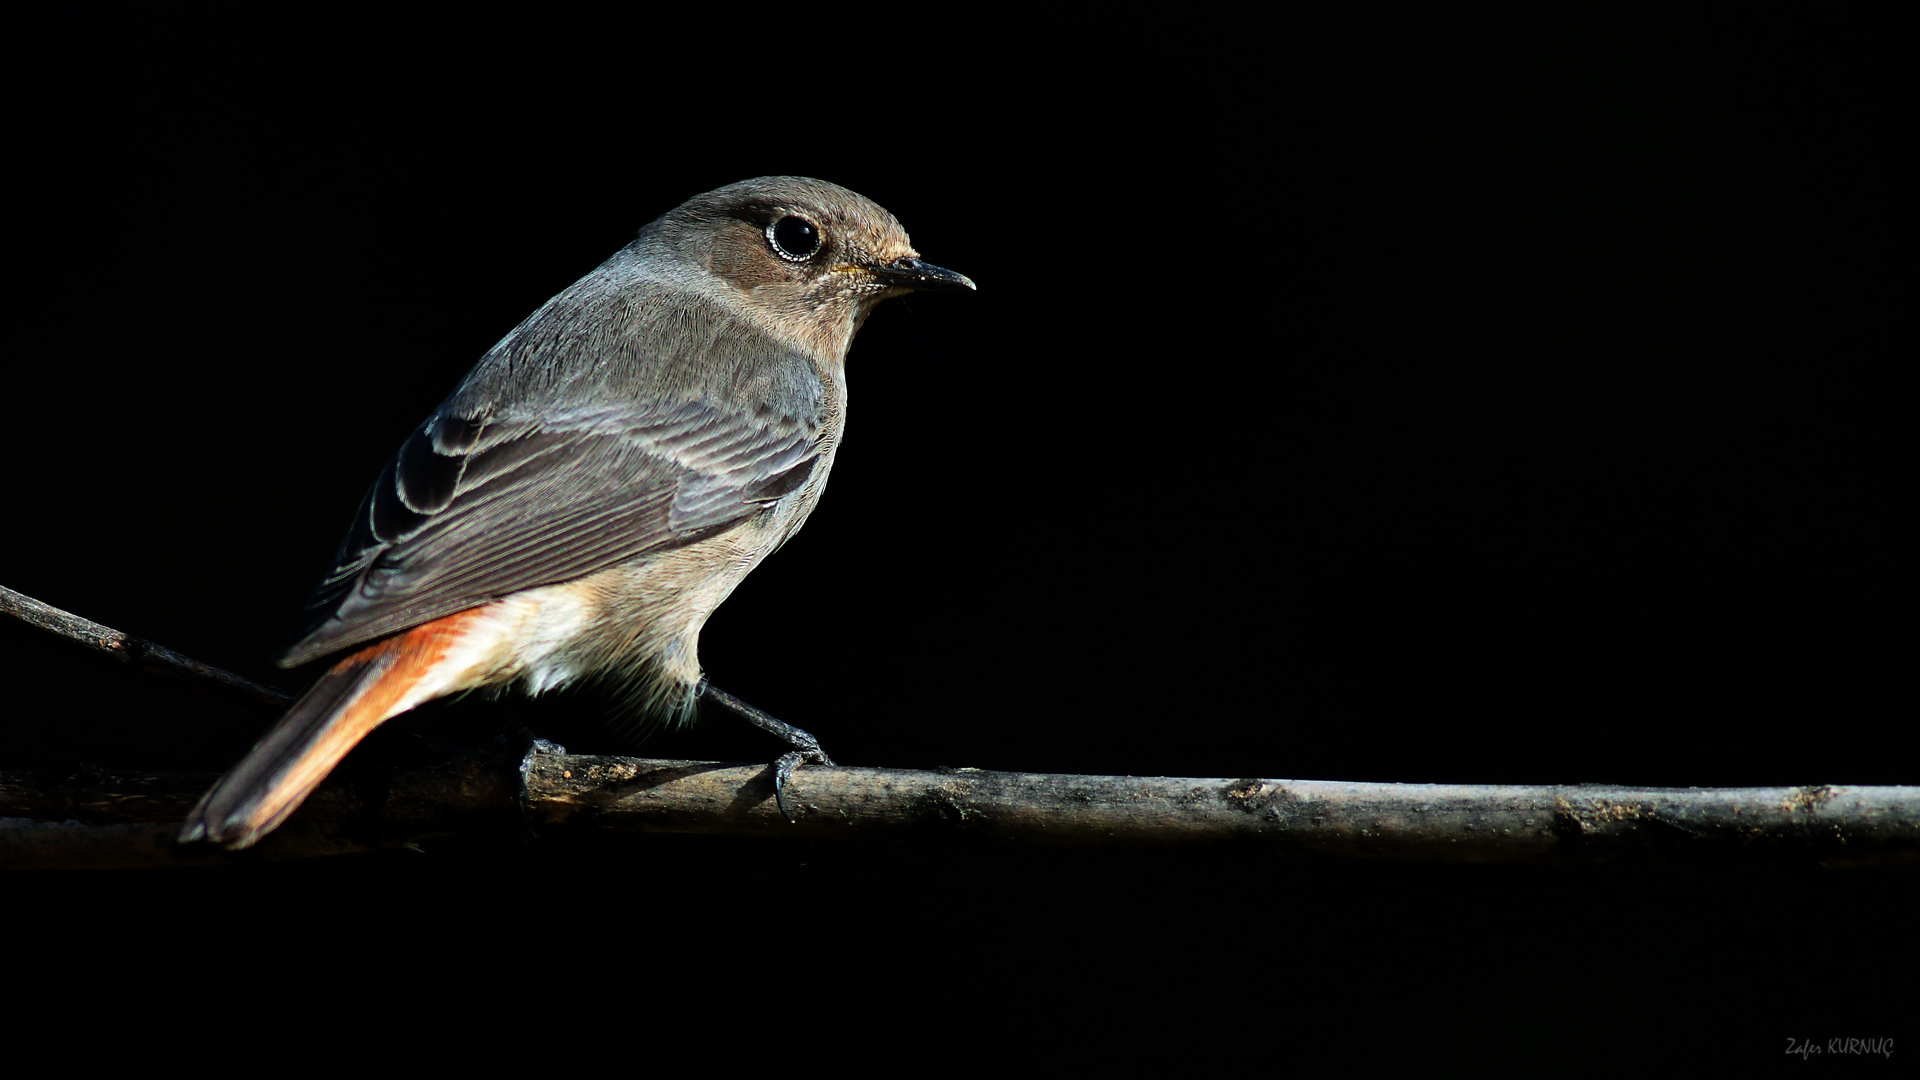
{"x": 913, "y": 274}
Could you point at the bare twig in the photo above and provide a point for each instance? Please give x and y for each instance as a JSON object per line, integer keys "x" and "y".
{"x": 94, "y": 817}
{"x": 1296, "y": 818}
{"x": 127, "y": 649}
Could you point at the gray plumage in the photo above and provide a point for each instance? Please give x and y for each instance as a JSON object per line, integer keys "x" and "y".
{"x": 692, "y": 382}
{"x": 597, "y": 485}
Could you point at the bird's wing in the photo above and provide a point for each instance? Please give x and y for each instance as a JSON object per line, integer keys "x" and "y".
{"x": 473, "y": 508}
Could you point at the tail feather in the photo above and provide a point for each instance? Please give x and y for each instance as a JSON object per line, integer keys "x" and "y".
{"x": 355, "y": 696}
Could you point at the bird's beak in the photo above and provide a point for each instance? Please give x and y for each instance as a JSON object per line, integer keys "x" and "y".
{"x": 910, "y": 273}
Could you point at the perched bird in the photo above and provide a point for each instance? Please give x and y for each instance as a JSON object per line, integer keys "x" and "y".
{"x": 596, "y": 485}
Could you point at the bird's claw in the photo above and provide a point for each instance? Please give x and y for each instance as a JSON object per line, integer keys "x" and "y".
{"x": 783, "y": 768}
{"x": 806, "y": 749}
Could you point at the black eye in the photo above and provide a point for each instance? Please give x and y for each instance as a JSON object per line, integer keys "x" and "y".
{"x": 794, "y": 238}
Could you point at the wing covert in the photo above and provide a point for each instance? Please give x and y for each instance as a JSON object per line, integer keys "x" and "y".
{"x": 473, "y": 508}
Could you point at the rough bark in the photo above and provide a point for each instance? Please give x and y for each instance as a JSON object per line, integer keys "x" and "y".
{"x": 93, "y": 817}
{"x": 101, "y": 818}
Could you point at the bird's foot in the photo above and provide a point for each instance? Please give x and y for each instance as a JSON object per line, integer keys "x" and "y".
{"x": 806, "y": 749}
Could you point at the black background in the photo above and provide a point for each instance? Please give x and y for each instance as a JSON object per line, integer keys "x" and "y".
{"x": 1482, "y": 398}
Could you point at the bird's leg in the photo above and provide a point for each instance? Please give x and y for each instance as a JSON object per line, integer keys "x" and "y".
{"x": 806, "y": 748}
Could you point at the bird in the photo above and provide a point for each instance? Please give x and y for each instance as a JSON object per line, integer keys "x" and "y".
{"x": 595, "y": 487}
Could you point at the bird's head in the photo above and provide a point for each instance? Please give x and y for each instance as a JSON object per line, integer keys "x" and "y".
{"x": 804, "y": 257}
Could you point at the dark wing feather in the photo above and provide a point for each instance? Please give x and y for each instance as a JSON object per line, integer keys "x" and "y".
{"x": 474, "y": 508}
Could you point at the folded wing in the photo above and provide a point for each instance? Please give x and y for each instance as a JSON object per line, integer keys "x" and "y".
{"x": 475, "y": 507}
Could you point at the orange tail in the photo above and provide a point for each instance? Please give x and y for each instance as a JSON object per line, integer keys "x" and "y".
{"x": 355, "y": 696}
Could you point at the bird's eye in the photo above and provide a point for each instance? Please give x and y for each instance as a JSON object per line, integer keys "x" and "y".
{"x": 794, "y": 238}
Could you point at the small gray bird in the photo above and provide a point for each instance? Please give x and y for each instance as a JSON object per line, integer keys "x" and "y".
{"x": 597, "y": 484}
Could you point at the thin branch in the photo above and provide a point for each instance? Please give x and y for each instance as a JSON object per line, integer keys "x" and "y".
{"x": 98, "y": 818}
{"x": 142, "y": 654}
{"x": 372, "y": 807}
